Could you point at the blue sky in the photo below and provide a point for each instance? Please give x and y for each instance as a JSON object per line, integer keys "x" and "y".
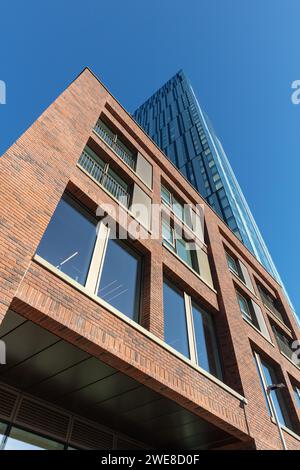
{"x": 240, "y": 55}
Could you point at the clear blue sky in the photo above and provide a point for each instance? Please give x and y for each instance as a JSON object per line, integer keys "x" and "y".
{"x": 240, "y": 55}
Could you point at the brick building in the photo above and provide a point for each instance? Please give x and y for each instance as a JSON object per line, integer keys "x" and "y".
{"x": 138, "y": 343}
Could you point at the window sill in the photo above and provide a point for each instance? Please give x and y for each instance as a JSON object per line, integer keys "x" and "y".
{"x": 191, "y": 269}
{"x": 258, "y": 331}
{"x": 126, "y": 164}
{"x": 45, "y": 264}
{"x": 114, "y": 199}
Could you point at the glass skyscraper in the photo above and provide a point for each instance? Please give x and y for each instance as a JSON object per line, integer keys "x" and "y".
{"x": 173, "y": 118}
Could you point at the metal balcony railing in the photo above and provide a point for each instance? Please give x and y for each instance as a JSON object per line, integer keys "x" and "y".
{"x": 286, "y": 348}
{"x": 91, "y": 166}
{"x": 268, "y": 303}
{"x": 116, "y": 145}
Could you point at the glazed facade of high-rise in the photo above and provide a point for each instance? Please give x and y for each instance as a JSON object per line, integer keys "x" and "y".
{"x": 173, "y": 118}
{"x": 133, "y": 343}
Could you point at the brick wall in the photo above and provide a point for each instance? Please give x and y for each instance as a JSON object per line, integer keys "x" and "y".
{"x": 34, "y": 173}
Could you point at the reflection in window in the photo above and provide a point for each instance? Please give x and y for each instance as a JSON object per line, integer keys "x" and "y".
{"x": 23, "y": 440}
{"x": 205, "y": 341}
{"x": 175, "y": 320}
{"x": 69, "y": 240}
{"x": 120, "y": 283}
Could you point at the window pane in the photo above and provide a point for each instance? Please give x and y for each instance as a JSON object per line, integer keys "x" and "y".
{"x": 276, "y": 395}
{"x": 182, "y": 251}
{"x": 175, "y": 320}
{"x": 244, "y": 307}
{"x": 69, "y": 240}
{"x": 297, "y": 396}
{"x": 206, "y": 345}
{"x": 119, "y": 283}
{"x": 178, "y": 209}
{"x": 232, "y": 264}
{"x": 23, "y": 440}
{"x": 167, "y": 233}
{"x": 165, "y": 195}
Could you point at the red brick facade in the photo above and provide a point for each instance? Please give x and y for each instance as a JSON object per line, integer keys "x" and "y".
{"x": 35, "y": 172}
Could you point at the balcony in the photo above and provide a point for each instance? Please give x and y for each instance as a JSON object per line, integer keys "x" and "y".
{"x": 269, "y": 302}
{"x": 285, "y": 347}
{"x": 102, "y": 174}
{"x": 113, "y": 141}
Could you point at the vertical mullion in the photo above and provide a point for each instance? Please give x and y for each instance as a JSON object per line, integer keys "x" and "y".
{"x": 190, "y": 328}
{"x": 97, "y": 259}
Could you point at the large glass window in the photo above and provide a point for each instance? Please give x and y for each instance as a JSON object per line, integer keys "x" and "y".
{"x": 69, "y": 240}
{"x": 190, "y": 330}
{"x": 268, "y": 377}
{"x": 120, "y": 278}
{"x": 205, "y": 341}
{"x": 111, "y": 270}
{"x": 19, "y": 439}
{"x": 175, "y": 324}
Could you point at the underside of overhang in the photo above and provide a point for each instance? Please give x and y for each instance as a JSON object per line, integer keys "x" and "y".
{"x": 47, "y": 367}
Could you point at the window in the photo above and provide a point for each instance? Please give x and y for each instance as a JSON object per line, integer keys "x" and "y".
{"x": 190, "y": 330}
{"x": 205, "y": 341}
{"x": 168, "y": 234}
{"x": 251, "y": 312}
{"x": 245, "y": 308}
{"x": 69, "y": 240}
{"x": 18, "y": 439}
{"x": 105, "y": 267}
{"x": 268, "y": 377}
{"x": 173, "y": 240}
{"x": 120, "y": 279}
{"x": 177, "y": 207}
{"x": 297, "y": 395}
{"x": 165, "y": 195}
{"x": 233, "y": 264}
{"x": 175, "y": 325}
